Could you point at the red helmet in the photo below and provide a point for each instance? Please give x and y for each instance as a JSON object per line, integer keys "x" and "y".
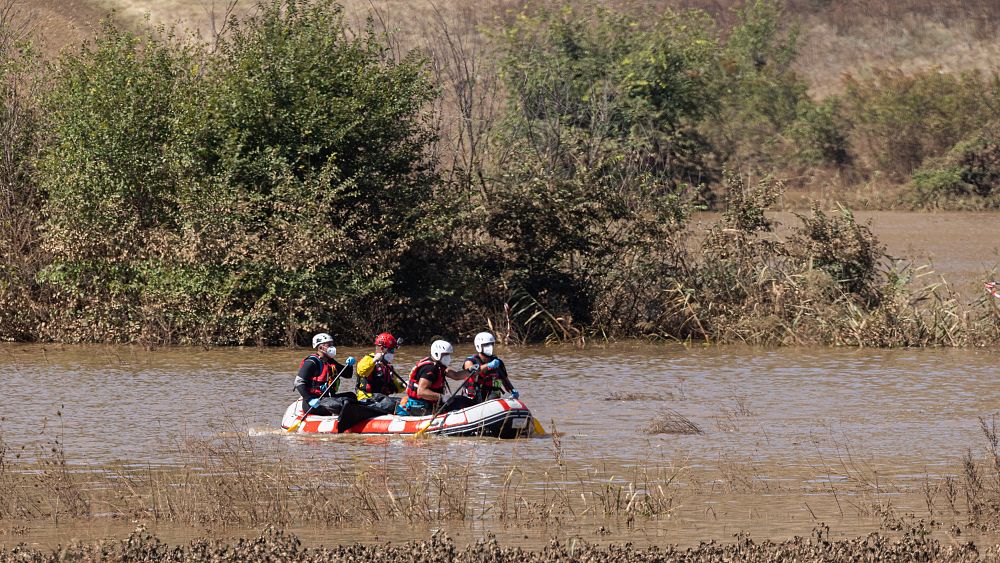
{"x": 385, "y": 340}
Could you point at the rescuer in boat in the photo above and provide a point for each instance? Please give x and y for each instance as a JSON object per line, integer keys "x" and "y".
{"x": 425, "y": 389}
{"x": 320, "y": 370}
{"x": 377, "y": 378}
{"x": 486, "y": 383}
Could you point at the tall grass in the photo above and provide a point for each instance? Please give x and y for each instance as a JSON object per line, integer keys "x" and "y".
{"x": 231, "y": 481}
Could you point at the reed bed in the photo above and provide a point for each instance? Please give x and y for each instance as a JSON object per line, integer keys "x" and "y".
{"x": 232, "y": 481}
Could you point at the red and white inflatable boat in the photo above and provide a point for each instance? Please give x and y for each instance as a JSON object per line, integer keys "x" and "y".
{"x": 499, "y": 418}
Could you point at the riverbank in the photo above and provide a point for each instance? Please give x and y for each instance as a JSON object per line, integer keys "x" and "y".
{"x": 277, "y": 546}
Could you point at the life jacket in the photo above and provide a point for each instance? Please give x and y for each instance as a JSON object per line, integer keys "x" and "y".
{"x": 437, "y": 385}
{"x": 379, "y": 380}
{"x": 318, "y": 383}
{"x": 484, "y": 381}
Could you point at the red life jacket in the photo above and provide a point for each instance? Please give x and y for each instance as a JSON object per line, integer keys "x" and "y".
{"x": 316, "y": 383}
{"x": 437, "y": 385}
{"x": 483, "y": 382}
{"x": 380, "y": 379}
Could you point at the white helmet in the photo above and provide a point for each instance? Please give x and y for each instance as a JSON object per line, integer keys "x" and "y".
{"x": 440, "y": 348}
{"x": 482, "y": 339}
{"x": 321, "y": 338}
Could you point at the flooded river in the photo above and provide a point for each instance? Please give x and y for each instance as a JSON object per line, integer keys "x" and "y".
{"x": 779, "y": 426}
{"x": 913, "y": 406}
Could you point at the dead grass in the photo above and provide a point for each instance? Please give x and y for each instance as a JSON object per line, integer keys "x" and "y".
{"x": 275, "y": 545}
{"x": 842, "y": 37}
{"x": 672, "y": 422}
{"x": 631, "y": 396}
{"x": 233, "y": 481}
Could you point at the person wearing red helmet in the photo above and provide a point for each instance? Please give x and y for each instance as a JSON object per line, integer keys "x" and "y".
{"x": 377, "y": 378}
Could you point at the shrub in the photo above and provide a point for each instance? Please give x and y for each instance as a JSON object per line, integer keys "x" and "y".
{"x": 901, "y": 120}
{"x": 968, "y": 175}
{"x": 820, "y": 134}
{"x": 760, "y": 95}
{"x": 247, "y": 194}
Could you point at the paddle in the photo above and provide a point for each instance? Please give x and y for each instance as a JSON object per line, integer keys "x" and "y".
{"x": 474, "y": 370}
{"x": 538, "y": 426}
{"x": 332, "y": 384}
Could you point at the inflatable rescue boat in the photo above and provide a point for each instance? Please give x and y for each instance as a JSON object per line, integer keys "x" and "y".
{"x": 498, "y": 418}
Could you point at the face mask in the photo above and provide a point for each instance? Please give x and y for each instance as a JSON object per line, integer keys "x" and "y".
{"x": 445, "y": 360}
{"x": 488, "y": 350}
{"x": 331, "y": 352}
{"x": 388, "y": 356}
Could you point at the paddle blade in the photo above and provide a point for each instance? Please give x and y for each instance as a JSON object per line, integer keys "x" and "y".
{"x": 295, "y": 426}
{"x": 538, "y": 427}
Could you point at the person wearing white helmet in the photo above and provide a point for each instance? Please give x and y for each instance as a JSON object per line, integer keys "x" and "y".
{"x": 425, "y": 389}
{"x": 317, "y": 372}
{"x": 486, "y": 384}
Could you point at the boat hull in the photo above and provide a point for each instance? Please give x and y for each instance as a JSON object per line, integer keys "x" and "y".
{"x": 499, "y": 418}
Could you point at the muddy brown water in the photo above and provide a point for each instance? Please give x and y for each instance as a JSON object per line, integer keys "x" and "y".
{"x": 782, "y": 427}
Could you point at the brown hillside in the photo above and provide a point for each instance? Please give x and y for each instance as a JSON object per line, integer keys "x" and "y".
{"x": 837, "y": 37}
{"x": 59, "y": 23}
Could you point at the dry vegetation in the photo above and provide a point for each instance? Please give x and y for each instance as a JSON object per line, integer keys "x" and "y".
{"x": 672, "y": 422}
{"x": 232, "y": 481}
{"x": 837, "y": 37}
{"x": 273, "y": 545}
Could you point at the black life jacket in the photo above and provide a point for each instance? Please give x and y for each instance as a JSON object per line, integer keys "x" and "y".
{"x": 437, "y": 385}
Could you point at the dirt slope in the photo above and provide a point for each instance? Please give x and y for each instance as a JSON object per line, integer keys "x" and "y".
{"x": 863, "y": 35}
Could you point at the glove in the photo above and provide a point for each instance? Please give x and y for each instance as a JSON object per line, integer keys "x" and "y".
{"x": 350, "y": 361}
{"x": 514, "y": 394}
{"x": 313, "y": 403}
{"x": 493, "y": 364}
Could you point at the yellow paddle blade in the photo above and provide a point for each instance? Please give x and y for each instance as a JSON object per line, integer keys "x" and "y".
{"x": 295, "y": 426}
{"x": 538, "y": 427}
{"x": 422, "y": 431}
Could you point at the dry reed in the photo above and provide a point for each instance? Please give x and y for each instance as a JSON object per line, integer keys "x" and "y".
{"x": 672, "y": 422}
{"x": 231, "y": 480}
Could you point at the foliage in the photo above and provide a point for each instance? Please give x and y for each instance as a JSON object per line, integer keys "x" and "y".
{"x": 901, "y": 120}
{"x": 285, "y": 180}
{"x": 242, "y": 195}
{"x": 820, "y": 134}
{"x": 22, "y": 301}
{"x": 760, "y": 95}
{"x": 632, "y": 88}
{"x": 969, "y": 174}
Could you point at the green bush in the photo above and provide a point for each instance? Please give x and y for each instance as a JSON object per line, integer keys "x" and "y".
{"x": 269, "y": 188}
{"x": 967, "y": 176}
{"x": 625, "y": 84}
{"x": 820, "y": 134}
{"x": 901, "y": 120}
{"x": 760, "y": 95}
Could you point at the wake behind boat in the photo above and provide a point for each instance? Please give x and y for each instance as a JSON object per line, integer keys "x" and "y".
{"x": 498, "y": 418}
